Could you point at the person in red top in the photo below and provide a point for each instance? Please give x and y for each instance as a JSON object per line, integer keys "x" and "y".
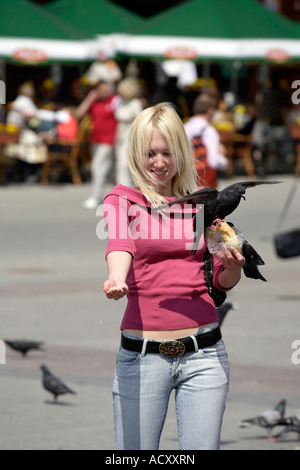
{"x": 101, "y": 104}
{"x": 170, "y": 337}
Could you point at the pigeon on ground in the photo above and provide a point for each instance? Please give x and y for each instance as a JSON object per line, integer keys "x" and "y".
{"x": 224, "y": 309}
{"x": 217, "y": 204}
{"x": 268, "y": 419}
{"x": 291, "y": 424}
{"x": 23, "y": 346}
{"x": 53, "y": 384}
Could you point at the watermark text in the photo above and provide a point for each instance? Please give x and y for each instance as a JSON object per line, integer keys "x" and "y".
{"x": 2, "y": 353}
{"x": 134, "y": 221}
{"x": 296, "y": 93}
{"x": 296, "y": 353}
{"x": 156, "y": 458}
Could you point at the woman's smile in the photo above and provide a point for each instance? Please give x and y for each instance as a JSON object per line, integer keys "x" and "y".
{"x": 159, "y": 174}
{"x": 159, "y": 163}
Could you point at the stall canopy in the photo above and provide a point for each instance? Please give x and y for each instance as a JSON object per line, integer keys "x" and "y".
{"x": 215, "y": 30}
{"x": 95, "y": 17}
{"x": 30, "y": 34}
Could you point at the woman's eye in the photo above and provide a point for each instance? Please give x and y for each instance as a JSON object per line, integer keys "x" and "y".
{"x": 153, "y": 154}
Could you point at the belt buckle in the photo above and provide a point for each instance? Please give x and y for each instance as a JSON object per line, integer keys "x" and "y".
{"x": 172, "y": 348}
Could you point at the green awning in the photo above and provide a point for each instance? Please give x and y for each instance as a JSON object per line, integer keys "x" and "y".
{"x": 95, "y": 17}
{"x": 30, "y": 34}
{"x": 219, "y": 19}
{"x": 220, "y": 30}
{"x": 21, "y": 18}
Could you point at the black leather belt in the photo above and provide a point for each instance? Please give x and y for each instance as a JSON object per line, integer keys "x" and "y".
{"x": 175, "y": 347}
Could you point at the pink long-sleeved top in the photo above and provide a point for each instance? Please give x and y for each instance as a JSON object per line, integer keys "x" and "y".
{"x": 167, "y": 288}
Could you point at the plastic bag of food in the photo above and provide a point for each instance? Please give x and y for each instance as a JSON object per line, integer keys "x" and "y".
{"x": 223, "y": 235}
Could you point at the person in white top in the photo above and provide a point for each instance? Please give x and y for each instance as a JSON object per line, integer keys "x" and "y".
{"x": 127, "y": 110}
{"x": 23, "y": 108}
{"x": 21, "y": 105}
{"x": 198, "y": 126}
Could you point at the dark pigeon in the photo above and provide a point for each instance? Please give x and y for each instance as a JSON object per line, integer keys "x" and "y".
{"x": 53, "y": 384}
{"x": 217, "y": 204}
{"x": 23, "y": 346}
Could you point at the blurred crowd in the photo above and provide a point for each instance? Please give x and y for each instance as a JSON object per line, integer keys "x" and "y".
{"x": 35, "y": 125}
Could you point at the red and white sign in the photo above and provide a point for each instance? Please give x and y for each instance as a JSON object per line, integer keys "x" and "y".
{"x": 31, "y": 56}
{"x": 181, "y": 52}
{"x": 278, "y": 55}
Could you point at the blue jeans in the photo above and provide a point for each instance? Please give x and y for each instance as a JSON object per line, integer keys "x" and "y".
{"x": 141, "y": 391}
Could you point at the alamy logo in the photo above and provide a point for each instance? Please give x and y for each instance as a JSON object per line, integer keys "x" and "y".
{"x": 2, "y": 352}
{"x": 135, "y": 221}
{"x": 296, "y": 353}
{"x": 2, "y": 92}
{"x": 296, "y": 93}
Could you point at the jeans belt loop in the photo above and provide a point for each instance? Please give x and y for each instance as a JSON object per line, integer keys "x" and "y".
{"x": 195, "y": 343}
{"x": 143, "y": 351}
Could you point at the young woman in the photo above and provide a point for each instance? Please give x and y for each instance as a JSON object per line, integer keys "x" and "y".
{"x": 170, "y": 337}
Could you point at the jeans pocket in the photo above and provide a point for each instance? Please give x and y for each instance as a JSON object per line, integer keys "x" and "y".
{"x": 126, "y": 357}
{"x": 217, "y": 351}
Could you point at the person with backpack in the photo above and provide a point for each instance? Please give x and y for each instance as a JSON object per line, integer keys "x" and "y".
{"x": 209, "y": 153}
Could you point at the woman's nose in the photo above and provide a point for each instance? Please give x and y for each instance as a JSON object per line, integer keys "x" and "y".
{"x": 159, "y": 161}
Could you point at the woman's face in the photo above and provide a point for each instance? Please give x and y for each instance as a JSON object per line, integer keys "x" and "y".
{"x": 159, "y": 163}
{"x": 103, "y": 91}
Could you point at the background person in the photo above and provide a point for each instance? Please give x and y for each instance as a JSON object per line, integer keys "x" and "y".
{"x": 127, "y": 110}
{"x": 23, "y": 104}
{"x": 101, "y": 104}
{"x": 206, "y": 140}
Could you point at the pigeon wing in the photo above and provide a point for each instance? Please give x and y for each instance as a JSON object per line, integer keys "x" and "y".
{"x": 203, "y": 196}
{"x": 56, "y": 386}
{"x": 251, "y": 184}
{"x": 251, "y": 254}
{"x": 253, "y": 259}
{"x": 267, "y": 419}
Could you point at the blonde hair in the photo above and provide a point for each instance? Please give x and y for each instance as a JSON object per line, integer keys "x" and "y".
{"x": 164, "y": 118}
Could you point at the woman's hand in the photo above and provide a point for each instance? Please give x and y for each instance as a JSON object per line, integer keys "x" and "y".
{"x": 231, "y": 258}
{"x": 115, "y": 289}
{"x": 118, "y": 263}
{"x": 233, "y": 262}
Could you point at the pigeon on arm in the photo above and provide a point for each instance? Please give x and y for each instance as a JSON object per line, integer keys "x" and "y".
{"x": 226, "y": 201}
{"x": 217, "y": 206}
